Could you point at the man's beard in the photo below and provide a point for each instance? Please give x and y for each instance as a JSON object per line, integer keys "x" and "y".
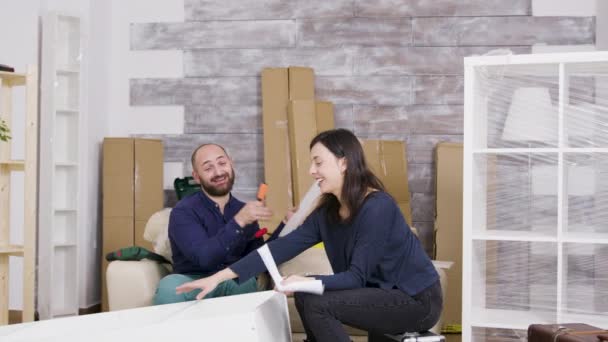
{"x": 213, "y": 190}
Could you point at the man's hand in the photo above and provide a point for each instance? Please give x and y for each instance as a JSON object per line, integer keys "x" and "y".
{"x": 251, "y": 212}
{"x": 289, "y": 214}
{"x": 206, "y": 285}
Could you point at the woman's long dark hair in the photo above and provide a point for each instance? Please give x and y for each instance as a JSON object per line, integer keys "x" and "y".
{"x": 358, "y": 178}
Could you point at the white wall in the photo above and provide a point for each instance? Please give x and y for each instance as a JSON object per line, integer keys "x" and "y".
{"x": 602, "y": 25}
{"x": 124, "y": 120}
{"x": 98, "y": 88}
{"x": 126, "y": 64}
{"x": 579, "y": 8}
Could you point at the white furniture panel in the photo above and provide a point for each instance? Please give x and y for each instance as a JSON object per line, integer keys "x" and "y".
{"x": 253, "y": 317}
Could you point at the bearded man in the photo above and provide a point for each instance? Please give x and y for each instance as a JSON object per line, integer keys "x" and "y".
{"x": 211, "y": 229}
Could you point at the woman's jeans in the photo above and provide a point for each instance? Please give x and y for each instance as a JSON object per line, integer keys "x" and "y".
{"x": 375, "y": 310}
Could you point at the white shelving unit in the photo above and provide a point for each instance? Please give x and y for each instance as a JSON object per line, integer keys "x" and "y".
{"x": 59, "y": 214}
{"x": 535, "y": 192}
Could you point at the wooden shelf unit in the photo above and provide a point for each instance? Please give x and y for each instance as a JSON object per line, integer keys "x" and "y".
{"x": 29, "y": 166}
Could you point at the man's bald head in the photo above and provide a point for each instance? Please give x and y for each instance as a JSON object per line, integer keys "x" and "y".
{"x": 193, "y": 157}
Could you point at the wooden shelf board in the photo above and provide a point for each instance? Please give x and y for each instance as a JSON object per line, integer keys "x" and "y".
{"x": 66, "y": 163}
{"x": 67, "y": 110}
{"x": 12, "y": 162}
{"x": 65, "y": 209}
{"x": 13, "y": 165}
{"x": 64, "y": 244}
{"x": 13, "y": 250}
{"x": 13, "y": 77}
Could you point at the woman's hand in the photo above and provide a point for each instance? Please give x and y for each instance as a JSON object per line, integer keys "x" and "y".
{"x": 292, "y": 279}
{"x": 207, "y": 284}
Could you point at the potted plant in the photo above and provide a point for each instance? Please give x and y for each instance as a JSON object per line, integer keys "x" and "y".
{"x": 4, "y": 131}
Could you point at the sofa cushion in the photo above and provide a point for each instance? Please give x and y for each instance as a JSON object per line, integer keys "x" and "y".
{"x": 157, "y": 232}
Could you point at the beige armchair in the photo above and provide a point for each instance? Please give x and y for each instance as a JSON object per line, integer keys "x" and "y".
{"x": 132, "y": 284}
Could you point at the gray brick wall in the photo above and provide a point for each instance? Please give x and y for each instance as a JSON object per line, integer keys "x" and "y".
{"x": 393, "y": 68}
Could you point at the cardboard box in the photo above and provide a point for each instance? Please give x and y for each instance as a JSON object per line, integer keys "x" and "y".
{"x": 117, "y": 190}
{"x": 388, "y": 161}
{"x": 277, "y": 163}
{"x": 301, "y": 83}
{"x": 324, "y": 114}
{"x": 132, "y": 191}
{"x": 302, "y": 125}
{"x": 148, "y": 178}
{"x": 448, "y": 223}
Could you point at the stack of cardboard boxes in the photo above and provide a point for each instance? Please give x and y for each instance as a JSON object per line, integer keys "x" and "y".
{"x": 291, "y": 119}
{"x": 132, "y": 191}
{"x": 388, "y": 161}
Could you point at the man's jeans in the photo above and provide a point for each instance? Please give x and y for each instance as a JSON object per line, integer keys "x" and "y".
{"x": 165, "y": 292}
{"x": 375, "y": 310}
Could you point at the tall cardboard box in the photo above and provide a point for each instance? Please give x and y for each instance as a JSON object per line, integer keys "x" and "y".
{"x": 324, "y": 114}
{"x": 448, "y": 223}
{"x": 388, "y": 161}
{"x": 132, "y": 191}
{"x": 301, "y": 83}
{"x": 302, "y": 125}
{"x": 277, "y": 163}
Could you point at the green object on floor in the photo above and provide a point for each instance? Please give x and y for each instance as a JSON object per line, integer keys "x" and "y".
{"x": 135, "y": 253}
{"x": 451, "y": 329}
{"x": 185, "y": 186}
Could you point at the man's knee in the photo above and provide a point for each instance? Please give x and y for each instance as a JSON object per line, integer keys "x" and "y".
{"x": 165, "y": 292}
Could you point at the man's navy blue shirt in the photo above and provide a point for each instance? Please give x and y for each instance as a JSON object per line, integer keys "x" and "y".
{"x": 203, "y": 240}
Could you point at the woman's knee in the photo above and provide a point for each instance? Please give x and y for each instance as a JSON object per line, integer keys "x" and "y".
{"x": 308, "y": 301}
